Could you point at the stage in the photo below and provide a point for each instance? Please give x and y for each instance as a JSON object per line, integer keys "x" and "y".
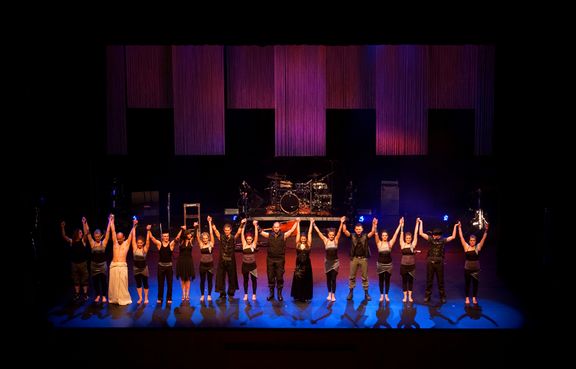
{"x": 497, "y": 309}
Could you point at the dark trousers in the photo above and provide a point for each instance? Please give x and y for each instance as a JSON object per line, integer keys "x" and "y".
{"x": 226, "y": 268}
{"x": 205, "y": 275}
{"x": 470, "y": 280}
{"x": 247, "y": 276}
{"x": 407, "y": 282}
{"x": 384, "y": 277}
{"x": 100, "y": 284}
{"x": 435, "y": 268}
{"x": 165, "y": 272}
{"x": 331, "y": 280}
{"x": 141, "y": 280}
{"x": 275, "y": 271}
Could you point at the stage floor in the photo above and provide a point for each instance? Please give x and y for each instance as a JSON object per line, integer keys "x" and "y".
{"x": 497, "y": 307}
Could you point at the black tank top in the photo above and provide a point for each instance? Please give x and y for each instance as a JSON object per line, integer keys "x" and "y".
{"x": 165, "y": 254}
{"x": 436, "y": 247}
{"x": 227, "y": 245}
{"x": 384, "y": 257}
{"x": 472, "y": 255}
{"x": 331, "y": 253}
{"x": 407, "y": 251}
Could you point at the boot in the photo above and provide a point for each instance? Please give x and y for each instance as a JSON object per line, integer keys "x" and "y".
{"x": 367, "y": 296}
{"x": 350, "y": 295}
{"x": 271, "y": 296}
{"x": 280, "y": 298}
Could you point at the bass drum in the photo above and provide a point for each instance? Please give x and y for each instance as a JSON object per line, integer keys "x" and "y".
{"x": 289, "y": 203}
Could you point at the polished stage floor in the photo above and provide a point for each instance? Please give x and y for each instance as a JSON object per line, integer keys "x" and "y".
{"x": 498, "y": 308}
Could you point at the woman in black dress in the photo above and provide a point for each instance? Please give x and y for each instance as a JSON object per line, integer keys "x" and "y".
{"x": 302, "y": 281}
{"x": 185, "y": 265}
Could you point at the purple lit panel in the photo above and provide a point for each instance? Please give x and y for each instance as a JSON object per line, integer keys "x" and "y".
{"x": 250, "y": 83}
{"x": 350, "y": 77}
{"x": 116, "y": 100}
{"x": 149, "y": 76}
{"x": 401, "y": 97}
{"x": 198, "y": 82}
{"x": 300, "y": 100}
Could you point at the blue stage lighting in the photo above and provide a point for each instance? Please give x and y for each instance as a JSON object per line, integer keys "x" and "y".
{"x": 235, "y": 217}
{"x": 361, "y": 219}
{"x": 445, "y": 217}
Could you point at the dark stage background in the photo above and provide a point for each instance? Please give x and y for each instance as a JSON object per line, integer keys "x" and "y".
{"x": 70, "y": 174}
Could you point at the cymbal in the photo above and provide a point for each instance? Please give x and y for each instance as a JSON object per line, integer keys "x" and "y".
{"x": 314, "y": 175}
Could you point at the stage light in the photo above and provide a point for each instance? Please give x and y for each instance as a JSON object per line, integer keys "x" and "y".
{"x": 361, "y": 219}
{"x": 445, "y": 218}
{"x": 235, "y": 217}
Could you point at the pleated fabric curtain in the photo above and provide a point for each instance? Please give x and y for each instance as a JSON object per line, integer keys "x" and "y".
{"x": 350, "y": 77}
{"x": 484, "y": 103}
{"x": 300, "y": 100}
{"x": 401, "y": 99}
{"x": 198, "y": 90}
{"x": 116, "y": 143}
{"x": 250, "y": 77}
{"x": 149, "y": 76}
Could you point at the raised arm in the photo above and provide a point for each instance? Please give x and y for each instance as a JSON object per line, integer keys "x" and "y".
{"x": 242, "y": 225}
{"x": 393, "y": 240}
{"x": 287, "y": 234}
{"x": 241, "y": 229}
{"x": 462, "y": 240}
{"x": 86, "y": 230}
{"x": 481, "y": 243}
{"x": 173, "y": 242}
{"x": 108, "y": 230}
{"x": 112, "y": 228}
{"x": 134, "y": 246}
{"x": 132, "y": 235}
{"x": 148, "y": 234}
{"x": 154, "y": 240}
{"x": 337, "y": 237}
{"x": 213, "y": 227}
{"x": 453, "y": 236}
{"x": 211, "y": 231}
{"x": 255, "y": 242}
{"x": 417, "y": 227}
{"x": 297, "y": 231}
{"x": 345, "y": 230}
{"x": 63, "y": 229}
{"x": 310, "y": 232}
{"x": 421, "y": 230}
{"x": 322, "y": 237}
{"x": 374, "y": 228}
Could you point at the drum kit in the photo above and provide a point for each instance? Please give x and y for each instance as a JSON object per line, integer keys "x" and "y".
{"x": 311, "y": 197}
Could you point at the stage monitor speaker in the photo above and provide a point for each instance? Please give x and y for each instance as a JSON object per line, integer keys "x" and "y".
{"x": 390, "y": 198}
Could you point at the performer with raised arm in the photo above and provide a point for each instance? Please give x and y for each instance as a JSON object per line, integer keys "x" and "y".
{"x": 185, "y": 264}
{"x": 206, "y": 244}
{"x": 98, "y": 265}
{"x": 249, "y": 269}
{"x": 276, "y": 258}
{"x": 165, "y": 271}
{"x": 435, "y": 260}
{"x": 331, "y": 262}
{"x": 384, "y": 263}
{"x": 78, "y": 259}
{"x": 226, "y": 262}
{"x": 359, "y": 253}
{"x": 118, "y": 289}
{"x": 408, "y": 262}
{"x": 141, "y": 273}
{"x": 472, "y": 263}
{"x": 302, "y": 285}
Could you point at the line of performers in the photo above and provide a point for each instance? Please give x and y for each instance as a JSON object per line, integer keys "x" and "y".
{"x": 116, "y": 288}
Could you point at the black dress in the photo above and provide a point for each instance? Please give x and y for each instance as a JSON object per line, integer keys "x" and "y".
{"x": 185, "y": 265}
{"x": 302, "y": 281}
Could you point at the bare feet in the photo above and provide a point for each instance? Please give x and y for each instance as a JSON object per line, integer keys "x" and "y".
{"x": 97, "y": 299}
{"x": 254, "y": 297}
{"x": 410, "y": 299}
{"x": 467, "y": 301}
{"x": 404, "y": 299}
{"x": 474, "y": 301}
{"x": 209, "y": 297}
{"x": 329, "y": 298}
{"x": 201, "y": 298}
{"x": 381, "y": 298}
{"x": 386, "y": 298}
{"x": 158, "y": 301}
{"x": 103, "y": 298}
{"x": 139, "y": 301}
{"x": 169, "y": 302}
{"x": 145, "y": 301}
{"x": 245, "y": 297}
{"x": 333, "y": 297}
